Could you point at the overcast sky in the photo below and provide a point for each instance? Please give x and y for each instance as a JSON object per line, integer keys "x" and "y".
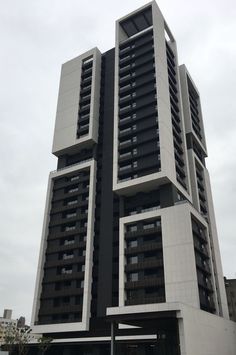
{"x": 36, "y": 37}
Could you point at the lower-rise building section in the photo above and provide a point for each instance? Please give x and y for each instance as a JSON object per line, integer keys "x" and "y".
{"x": 67, "y": 249}
{"x": 165, "y": 255}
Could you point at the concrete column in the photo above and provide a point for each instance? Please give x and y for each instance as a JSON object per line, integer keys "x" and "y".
{"x": 113, "y": 339}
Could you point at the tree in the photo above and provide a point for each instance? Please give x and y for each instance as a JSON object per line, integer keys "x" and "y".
{"x": 22, "y": 339}
{"x": 16, "y": 338}
{"x": 9, "y": 337}
{"x": 44, "y": 344}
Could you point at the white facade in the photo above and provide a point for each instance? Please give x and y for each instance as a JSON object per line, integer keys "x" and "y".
{"x": 65, "y": 132}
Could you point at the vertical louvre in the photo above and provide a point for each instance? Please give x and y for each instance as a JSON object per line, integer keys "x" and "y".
{"x": 175, "y": 115}
{"x": 204, "y": 273}
{"x": 85, "y": 97}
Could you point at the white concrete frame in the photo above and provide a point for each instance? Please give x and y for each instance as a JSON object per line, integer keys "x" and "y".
{"x": 65, "y": 131}
{"x": 215, "y": 250}
{"x": 84, "y": 324}
{"x": 101, "y": 339}
{"x": 168, "y": 171}
{"x": 181, "y": 284}
{"x": 213, "y": 235}
{"x": 184, "y": 77}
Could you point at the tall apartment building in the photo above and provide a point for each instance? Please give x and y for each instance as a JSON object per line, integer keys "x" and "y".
{"x": 129, "y": 251}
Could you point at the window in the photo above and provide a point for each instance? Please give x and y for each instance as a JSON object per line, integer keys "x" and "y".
{"x": 67, "y": 283}
{"x": 135, "y": 151}
{"x": 132, "y": 228}
{"x": 82, "y": 284}
{"x": 148, "y": 226}
{"x": 74, "y": 189}
{"x": 133, "y": 259}
{"x": 72, "y": 202}
{"x": 66, "y": 300}
{"x": 81, "y": 268}
{"x": 66, "y": 270}
{"x": 69, "y": 228}
{"x": 135, "y": 164}
{"x": 133, "y": 277}
{"x": 153, "y": 208}
{"x": 78, "y": 300}
{"x": 84, "y": 252}
{"x": 82, "y": 238}
{"x": 74, "y": 178}
{"x": 150, "y": 272}
{"x": 134, "y": 127}
{"x": 132, "y": 294}
{"x": 134, "y": 139}
{"x": 56, "y": 302}
{"x": 67, "y": 256}
{"x": 71, "y": 215}
{"x": 133, "y": 243}
{"x": 151, "y": 291}
{"x": 69, "y": 241}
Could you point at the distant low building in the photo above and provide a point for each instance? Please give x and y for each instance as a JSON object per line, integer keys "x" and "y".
{"x": 230, "y": 286}
{"x": 5, "y": 321}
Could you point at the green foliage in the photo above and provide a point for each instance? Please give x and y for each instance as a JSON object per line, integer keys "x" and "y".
{"x": 16, "y": 338}
{"x": 44, "y": 344}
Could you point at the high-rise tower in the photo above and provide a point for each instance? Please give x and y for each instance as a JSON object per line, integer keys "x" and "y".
{"x": 129, "y": 235}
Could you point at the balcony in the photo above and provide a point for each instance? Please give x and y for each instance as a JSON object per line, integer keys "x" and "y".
{"x": 64, "y": 277}
{"x": 145, "y": 300}
{"x": 148, "y": 282}
{"x": 63, "y": 262}
{"x": 143, "y": 232}
{"x": 57, "y": 235}
{"x": 63, "y": 247}
{"x": 60, "y": 309}
{"x": 146, "y": 264}
{"x": 143, "y": 248}
{"x": 67, "y": 291}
